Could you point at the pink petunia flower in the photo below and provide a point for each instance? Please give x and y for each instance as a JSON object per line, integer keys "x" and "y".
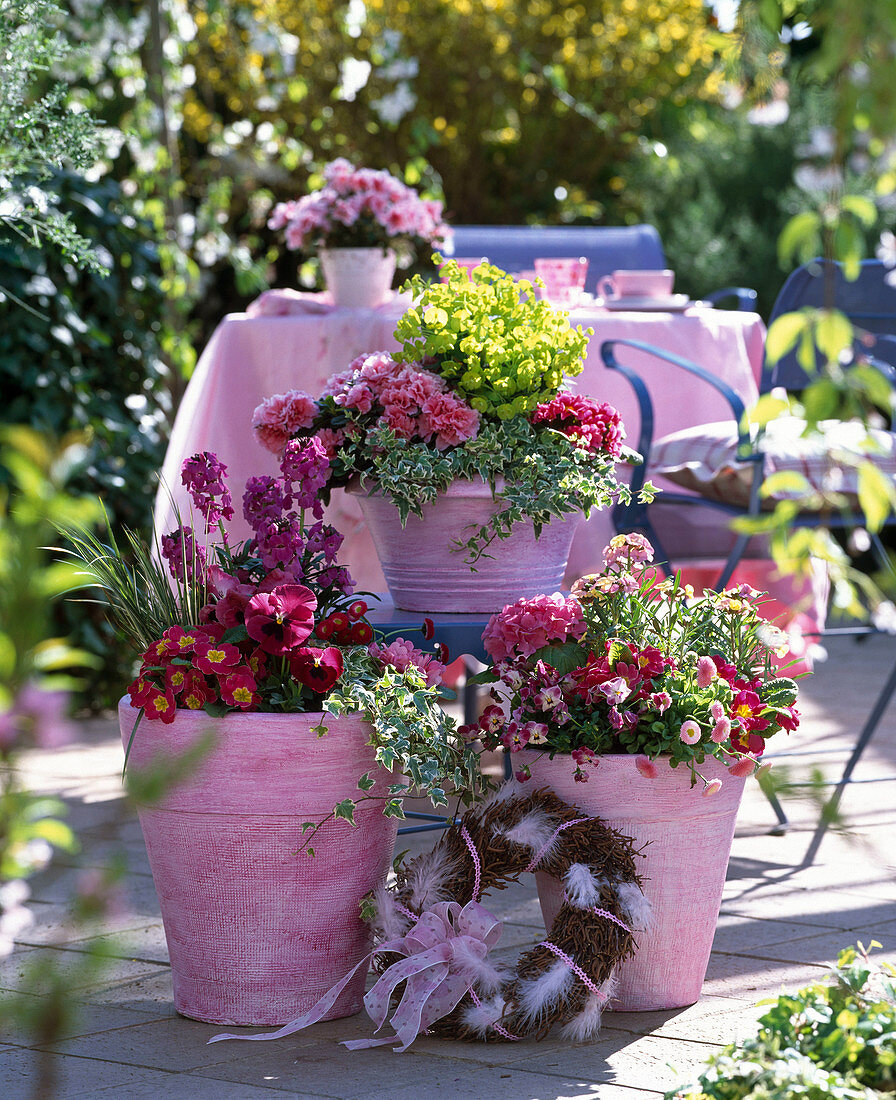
{"x": 449, "y": 420}
{"x": 401, "y": 654}
{"x": 279, "y": 417}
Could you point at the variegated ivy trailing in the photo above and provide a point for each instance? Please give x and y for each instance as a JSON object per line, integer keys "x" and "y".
{"x": 474, "y": 391}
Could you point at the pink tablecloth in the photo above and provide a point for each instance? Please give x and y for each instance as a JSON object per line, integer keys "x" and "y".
{"x": 289, "y": 340}
{"x": 297, "y": 341}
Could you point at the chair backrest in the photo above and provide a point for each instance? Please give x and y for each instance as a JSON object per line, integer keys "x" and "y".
{"x": 869, "y": 301}
{"x": 606, "y": 247}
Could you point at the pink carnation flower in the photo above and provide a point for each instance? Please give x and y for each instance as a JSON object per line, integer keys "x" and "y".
{"x": 527, "y": 625}
{"x": 396, "y": 418}
{"x": 279, "y": 417}
{"x": 450, "y": 420}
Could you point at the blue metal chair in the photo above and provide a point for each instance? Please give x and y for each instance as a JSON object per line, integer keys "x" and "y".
{"x": 870, "y": 303}
{"x": 607, "y": 248}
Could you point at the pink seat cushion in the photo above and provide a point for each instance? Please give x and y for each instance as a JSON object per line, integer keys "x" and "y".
{"x": 703, "y": 459}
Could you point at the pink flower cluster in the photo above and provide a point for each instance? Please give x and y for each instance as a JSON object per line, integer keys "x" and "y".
{"x": 358, "y": 200}
{"x": 529, "y": 624}
{"x": 594, "y": 424}
{"x": 401, "y": 655}
{"x": 278, "y": 418}
{"x": 415, "y": 403}
{"x": 205, "y": 478}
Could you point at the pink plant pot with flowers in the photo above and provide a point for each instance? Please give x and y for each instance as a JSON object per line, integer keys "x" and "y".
{"x": 256, "y": 929}
{"x": 647, "y": 705}
{"x": 316, "y": 721}
{"x": 357, "y": 223}
{"x": 685, "y": 842}
{"x": 424, "y": 573}
{"x": 471, "y": 464}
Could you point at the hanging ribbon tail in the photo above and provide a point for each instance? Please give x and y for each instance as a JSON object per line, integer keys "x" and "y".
{"x": 314, "y": 1014}
{"x": 377, "y": 999}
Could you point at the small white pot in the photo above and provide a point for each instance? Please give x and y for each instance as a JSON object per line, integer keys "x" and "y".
{"x": 358, "y": 278}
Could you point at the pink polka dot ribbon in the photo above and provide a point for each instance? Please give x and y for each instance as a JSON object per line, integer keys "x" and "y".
{"x": 476, "y": 864}
{"x": 609, "y": 916}
{"x": 546, "y": 847}
{"x": 495, "y": 1025}
{"x": 576, "y": 969}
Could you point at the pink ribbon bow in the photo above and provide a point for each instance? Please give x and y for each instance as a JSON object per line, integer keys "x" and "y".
{"x": 441, "y": 952}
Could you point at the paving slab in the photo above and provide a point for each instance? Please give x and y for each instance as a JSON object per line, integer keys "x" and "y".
{"x": 781, "y": 925}
{"x": 73, "y": 1077}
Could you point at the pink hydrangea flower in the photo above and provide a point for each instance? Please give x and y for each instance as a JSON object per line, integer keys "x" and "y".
{"x": 527, "y": 625}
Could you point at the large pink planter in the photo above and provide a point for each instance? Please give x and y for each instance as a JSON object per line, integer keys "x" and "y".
{"x": 256, "y": 930}
{"x": 685, "y": 839}
{"x": 423, "y": 572}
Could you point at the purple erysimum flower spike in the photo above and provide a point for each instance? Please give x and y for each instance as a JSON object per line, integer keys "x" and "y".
{"x": 282, "y": 619}
{"x": 204, "y": 477}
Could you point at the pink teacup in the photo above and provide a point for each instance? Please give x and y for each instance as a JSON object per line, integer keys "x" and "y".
{"x": 636, "y": 284}
{"x": 563, "y": 277}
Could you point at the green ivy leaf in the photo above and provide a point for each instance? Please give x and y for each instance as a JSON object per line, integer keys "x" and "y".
{"x": 346, "y": 811}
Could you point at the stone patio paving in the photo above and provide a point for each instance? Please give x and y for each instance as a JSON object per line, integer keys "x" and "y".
{"x": 783, "y": 921}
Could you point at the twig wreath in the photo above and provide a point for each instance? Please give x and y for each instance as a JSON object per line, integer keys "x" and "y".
{"x": 434, "y": 937}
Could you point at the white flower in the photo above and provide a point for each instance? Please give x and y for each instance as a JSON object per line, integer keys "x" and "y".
{"x": 353, "y": 75}
{"x": 886, "y": 248}
{"x": 884, "y": 616}
{"x": 393, "y": 107}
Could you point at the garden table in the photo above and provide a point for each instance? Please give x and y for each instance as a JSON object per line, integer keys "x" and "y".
{"x": 288, "y": 340}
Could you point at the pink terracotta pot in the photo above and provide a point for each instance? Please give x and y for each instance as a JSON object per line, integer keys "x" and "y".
{"x": 257, "y": 931}
{"x": 424, "y": 573}
{"x": 685, "y": 840}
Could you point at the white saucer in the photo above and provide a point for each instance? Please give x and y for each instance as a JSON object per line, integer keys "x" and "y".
{"x": 668, "y": 303}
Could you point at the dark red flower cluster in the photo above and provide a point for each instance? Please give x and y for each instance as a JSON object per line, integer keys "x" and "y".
{"x": 620, "y": 674}
{"x": 192, "y": 667}
{"x": 594, "y": 424}
{"x": 746, "y": 711}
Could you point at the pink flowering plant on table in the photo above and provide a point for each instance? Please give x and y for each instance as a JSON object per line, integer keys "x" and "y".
{"x": 360, "y": 208}
{"x": 634, "y": 662}
{"x": 476, "y": 390}
{"x": 272, "y": 624}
